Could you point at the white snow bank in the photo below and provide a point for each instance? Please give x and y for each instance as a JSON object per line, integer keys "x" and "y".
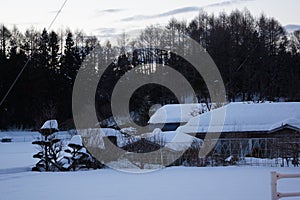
{"x": 50, "y": 124}
{"x": 175, "y": 183}
{"x": 17, "y": 155}
{"x": 29, "y": 136}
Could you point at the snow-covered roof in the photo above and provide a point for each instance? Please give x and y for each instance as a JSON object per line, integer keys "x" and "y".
{"x": 245, "y": 117}
{"x": 50, "y": 124}
{"x": 177, "y": 113}
{"x": 293, "y": 122}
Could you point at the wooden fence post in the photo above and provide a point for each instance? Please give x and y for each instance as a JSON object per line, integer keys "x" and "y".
{"x": 274, "y": 186}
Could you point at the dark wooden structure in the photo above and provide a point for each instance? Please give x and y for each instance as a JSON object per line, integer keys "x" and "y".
{"x": 142, "y": 146}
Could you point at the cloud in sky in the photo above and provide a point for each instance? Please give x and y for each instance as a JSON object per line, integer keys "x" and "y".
{"x": 225, "y": 3}
{"x": 112, "y": 10}
{"x": 115, "y": 33}
{"x": 182, "y": 10}
{"x": 106, "y": 32}
{"x": 24, "y": 23}
{"x": 165, "y": 14}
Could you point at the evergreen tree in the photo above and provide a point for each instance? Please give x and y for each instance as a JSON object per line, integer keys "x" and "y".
{"x": 43, "y": 50}
{"x": 68, "y": 60}
{"x": 4, "y": 38}
{"x": 53, "y": 49}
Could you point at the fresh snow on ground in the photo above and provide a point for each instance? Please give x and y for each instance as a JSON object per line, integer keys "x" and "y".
{"x": 16, "y": 155}
{"x": 29, "y": 136}
{"x": 175, "y": 183}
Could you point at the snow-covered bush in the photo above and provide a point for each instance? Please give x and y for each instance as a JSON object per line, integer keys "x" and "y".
{"x": 77, "y": 157}
{"x": 53, "y": 155}
{"x": 49, "y": 148}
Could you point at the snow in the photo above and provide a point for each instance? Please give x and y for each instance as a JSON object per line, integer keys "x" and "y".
{"x": 76, "y": 139}
{"x": 228, "y": 159}
{"x": 6, "y": 137}
{"x": 95, "y": 137}
{"x": 17, "y": 155}
{"x": 173, "y": 140}
{"x": 29, "y": 136}
{"x": 175, "y": 113}
{"x": 290, "y": 28}
{"x": 175, "y": 183}
{"x": 274, "y": 162}
{"x": 246, "y": 117}
{"x": 129, "y": 130}
{"x": 291, "y": 121}
{"x": 50, "y": 124}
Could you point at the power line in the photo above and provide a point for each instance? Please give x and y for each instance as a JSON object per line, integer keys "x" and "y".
{"x": 28, "y": 60}
{"x": 58, "y": 12}
{"x": 13, "y": 84}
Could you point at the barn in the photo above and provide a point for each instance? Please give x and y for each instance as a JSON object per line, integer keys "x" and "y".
{"x": 251, "y": 129}
{"x": 248, "y": 120}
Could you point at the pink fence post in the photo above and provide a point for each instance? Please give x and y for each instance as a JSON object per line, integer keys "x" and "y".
{"x": 274, "y": 186}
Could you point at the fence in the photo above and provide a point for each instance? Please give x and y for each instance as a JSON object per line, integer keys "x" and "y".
{"x": 28, "y": 136}
{"x": 272, "y": 152}
{"x": 274, "y": 178}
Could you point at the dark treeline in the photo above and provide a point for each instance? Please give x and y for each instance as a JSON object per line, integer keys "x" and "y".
{"x": 257, "y": 58}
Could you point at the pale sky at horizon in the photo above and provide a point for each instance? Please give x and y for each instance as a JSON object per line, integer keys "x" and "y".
{"x": 108, "y": 18}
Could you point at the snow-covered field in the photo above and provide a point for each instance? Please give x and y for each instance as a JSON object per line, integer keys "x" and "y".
{"x": 175, "y": 183}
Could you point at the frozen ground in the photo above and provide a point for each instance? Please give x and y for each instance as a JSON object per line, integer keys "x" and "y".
{"x": 176, "y": 183}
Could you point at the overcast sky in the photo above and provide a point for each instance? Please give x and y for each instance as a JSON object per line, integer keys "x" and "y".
{"x": 110, "y": 17}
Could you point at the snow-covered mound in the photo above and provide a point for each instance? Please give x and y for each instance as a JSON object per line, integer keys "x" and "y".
{"x": 171, "y": 139}
{"x": 50, "y": 124}
{"x": 77, "y": 140}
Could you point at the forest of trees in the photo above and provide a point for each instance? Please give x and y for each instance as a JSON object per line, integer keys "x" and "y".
{"x": 257, "y": 58}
